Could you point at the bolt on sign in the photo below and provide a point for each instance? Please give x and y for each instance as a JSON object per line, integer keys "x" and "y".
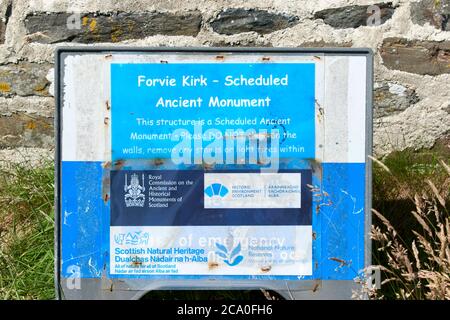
{"x": 212, "y": 168}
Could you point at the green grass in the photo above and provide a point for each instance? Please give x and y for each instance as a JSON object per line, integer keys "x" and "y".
{"x": 26, "y": 232}
{"x": 393, "y": 197}
{"x": 409, "y": 170}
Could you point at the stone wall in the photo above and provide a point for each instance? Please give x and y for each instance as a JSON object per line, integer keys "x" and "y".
{"x": 411, "y": 41}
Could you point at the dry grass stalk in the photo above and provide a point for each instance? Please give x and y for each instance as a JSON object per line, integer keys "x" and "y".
{"x": 436, "y": 192}
{"x": 381, "y": 164}
{"x": 429, "y": 276}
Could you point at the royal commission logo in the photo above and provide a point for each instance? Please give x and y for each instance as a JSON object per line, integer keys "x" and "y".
{"x": 216, "y": 190}
{"x": 134, "y": 192}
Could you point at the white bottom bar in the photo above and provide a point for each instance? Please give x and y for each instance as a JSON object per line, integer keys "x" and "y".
{"x": 211, "y": 250}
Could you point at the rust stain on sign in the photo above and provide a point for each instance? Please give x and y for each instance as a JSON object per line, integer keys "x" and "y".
{"x": 321, "y": 111}
{"x": 106, "y": 164}
{"x": 136, "y": 263}
{"x": 118, "y": 164}
{"x": 266, "y": 268}
{"x": 315, "y": 287}
{"x": 342, "y": 262}
{"x": 208, "y": 166}
{"x": 106, "y": 186}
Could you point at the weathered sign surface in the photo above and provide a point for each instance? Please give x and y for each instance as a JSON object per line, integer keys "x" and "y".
{"x": 188, "y": 168}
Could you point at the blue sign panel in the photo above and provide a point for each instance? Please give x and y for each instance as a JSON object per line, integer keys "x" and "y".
{"x": 170, "y": 192}
{"x": 209, "y": 187}
{"x": 151, "y": 101}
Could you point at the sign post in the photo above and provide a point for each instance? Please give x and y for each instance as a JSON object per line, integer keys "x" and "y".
{"x": 212, "y": 169}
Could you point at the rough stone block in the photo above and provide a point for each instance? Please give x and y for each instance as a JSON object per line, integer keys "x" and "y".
{"x": 392, "y": 98}
{"x": 436, "y": 13}
{"x": 24, "y": 79}
{"x": 414, "y": 56}
{"x": 109, "y": 27}
{"x": 238, "y": 20}
{"x": 22, "y": 130}
{"x": 354, "y": 16}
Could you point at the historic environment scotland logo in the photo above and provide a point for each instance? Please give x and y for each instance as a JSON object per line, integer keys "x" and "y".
{"x": 216, "y": 189}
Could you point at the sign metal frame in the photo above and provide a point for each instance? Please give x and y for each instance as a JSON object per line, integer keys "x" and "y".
{"x": 329, "y": 288}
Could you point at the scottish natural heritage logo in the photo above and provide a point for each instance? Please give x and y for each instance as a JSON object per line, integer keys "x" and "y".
{"x": 230, "y": 257}
{"x": 216, "y": 189}
{"x": 132, "y": 238}
{"x": 134, "y": 192}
